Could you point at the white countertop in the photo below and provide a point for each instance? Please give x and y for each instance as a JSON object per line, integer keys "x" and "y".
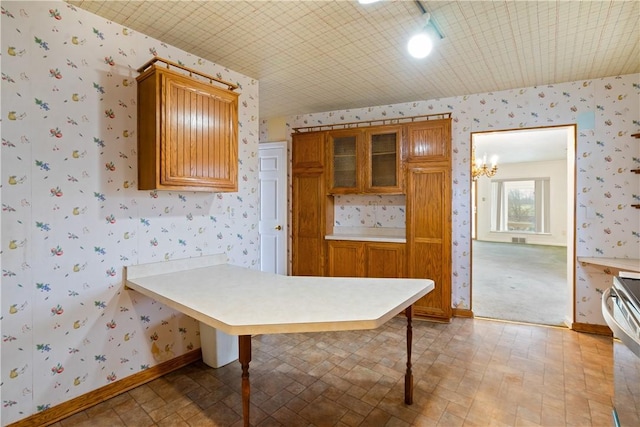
{"x": 241, "y": 301}
{"x": 624, "y": 264}
{"x": 368, "y": 234}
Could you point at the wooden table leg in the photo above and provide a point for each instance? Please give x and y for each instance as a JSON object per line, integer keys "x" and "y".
{"x": 408, "y": 377}
{"x": 244, "y": 344}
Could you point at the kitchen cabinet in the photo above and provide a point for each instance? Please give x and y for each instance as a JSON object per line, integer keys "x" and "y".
{"x": 311, "y": 209}
{"x": 365, "y": 259}
{"x": 385, "y": 260}
{"x": 428, "y": 189}
{"x": 365, "y": 160}
{"x": 187, "y": 131}
{"x": 356, "y": 160}
{"x": 429, "y": 141}
{"x": 346, "y": 259}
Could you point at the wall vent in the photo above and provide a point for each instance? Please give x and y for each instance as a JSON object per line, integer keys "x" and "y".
{"x": 518, "y": 240}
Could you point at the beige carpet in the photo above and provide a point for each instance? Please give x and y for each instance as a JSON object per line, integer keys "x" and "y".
{"x": 519, "y": 282}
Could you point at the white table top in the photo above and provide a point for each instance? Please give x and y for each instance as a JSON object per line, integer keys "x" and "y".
{"x": 241, "y": 301}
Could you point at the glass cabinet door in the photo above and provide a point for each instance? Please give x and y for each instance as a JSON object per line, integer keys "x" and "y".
{"x": 383, "y": 160}
{"x": 344, "y": 150}
{"x": 383, "y": 147}
{"x": 365, "y": 160}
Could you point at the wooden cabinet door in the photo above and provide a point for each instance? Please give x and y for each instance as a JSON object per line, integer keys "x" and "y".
{"x": 382, "y": 163}
{"x": 308, "y": 225}
{"x": 429, "y": 141}
{"x": 366, "y": 160}
{"x": 308, "y": 151}
{"x": 346, "y": 258}
{"x": 344, "y": 152}
{"x": 429, "y": 236}
{"x": 308, "y": 204}
{"x": 385, "y": 260}
{"x": 188, "y": 133}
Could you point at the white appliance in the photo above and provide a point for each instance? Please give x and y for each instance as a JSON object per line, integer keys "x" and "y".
{"x": 621, "y": 310}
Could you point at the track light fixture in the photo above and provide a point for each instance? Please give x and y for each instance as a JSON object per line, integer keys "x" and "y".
{"x": 421, "y": 44}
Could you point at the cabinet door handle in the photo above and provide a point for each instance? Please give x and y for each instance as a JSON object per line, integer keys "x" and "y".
{"x": 278, "y": 227}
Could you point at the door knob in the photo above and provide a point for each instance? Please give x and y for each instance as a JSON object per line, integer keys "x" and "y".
{"x": 278, "y": 227}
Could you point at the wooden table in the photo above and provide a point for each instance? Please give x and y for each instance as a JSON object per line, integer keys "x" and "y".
{"x": 240, "y": 301}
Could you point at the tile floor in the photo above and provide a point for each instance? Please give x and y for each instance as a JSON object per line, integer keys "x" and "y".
{"x": 471, "y": 372}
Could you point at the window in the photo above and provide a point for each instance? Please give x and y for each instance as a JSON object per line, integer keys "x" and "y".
{"x": 520, "y": 206}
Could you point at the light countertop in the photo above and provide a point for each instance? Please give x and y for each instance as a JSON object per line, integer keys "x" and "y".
{"x": 241, "y": 301}
{"x": 624, "y": 264}
{"x": 368, "y": 234}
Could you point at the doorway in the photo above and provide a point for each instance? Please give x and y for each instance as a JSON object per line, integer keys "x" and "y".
{"x": 272, "y": 226}
{"x": 522, "y": 225}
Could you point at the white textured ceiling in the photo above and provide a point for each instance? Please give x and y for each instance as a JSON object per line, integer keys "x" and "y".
{"x": 314, "y": 56}
{"x": 523, "y": 145}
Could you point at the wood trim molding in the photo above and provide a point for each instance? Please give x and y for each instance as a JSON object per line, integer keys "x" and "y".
{"x": 101, "y": 394}
{"x": 592, "y": 329}
{"x": 462, "y": 312}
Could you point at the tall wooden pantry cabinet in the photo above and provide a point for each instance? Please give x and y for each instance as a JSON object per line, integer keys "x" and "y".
{"x": 428, "y": 184}
{"x": 309, "y": 204}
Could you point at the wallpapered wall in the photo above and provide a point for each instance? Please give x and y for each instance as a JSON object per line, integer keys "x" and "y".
{"x": 370, "y": 211}
{"x": 72, "y": 216}
{"x": 607, "y": 112}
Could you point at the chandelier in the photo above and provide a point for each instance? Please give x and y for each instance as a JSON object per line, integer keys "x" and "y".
{"x": 480, "y": 167}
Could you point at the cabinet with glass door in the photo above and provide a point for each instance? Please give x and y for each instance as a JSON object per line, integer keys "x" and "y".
{"x": 365, "y": 160}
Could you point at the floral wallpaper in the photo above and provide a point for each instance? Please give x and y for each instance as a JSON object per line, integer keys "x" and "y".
{"x": 370, "y": 211}
{"x": 607, "y": 112}
{"x": 72, "y": 216}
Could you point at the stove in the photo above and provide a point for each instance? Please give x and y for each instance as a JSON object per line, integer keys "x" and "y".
{"x": 631, "y": 286}
{"x": 621, "y": 311}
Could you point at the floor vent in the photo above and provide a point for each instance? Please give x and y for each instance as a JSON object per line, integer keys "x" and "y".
{"x": 518, "y": 240}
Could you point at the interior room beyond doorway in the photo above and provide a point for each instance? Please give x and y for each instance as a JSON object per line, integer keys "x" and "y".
{"x": 522, "y": 226}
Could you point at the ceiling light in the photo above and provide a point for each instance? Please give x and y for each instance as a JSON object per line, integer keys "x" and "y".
{"x": 421, "y": 44}
{"x": 480, "y": 167}
{"x": 367, "y": 1}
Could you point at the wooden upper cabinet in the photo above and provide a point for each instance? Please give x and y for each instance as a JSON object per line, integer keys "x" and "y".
{"x": 345, "y": 171}
{"x": 365, "y": 160}
{"x": 383, "y": 170}
{"x": 187, "y": 133}
{"x": 429, "y": 141}
{"x": 308, "y": 150}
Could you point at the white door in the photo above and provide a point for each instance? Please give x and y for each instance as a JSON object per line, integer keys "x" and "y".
{"x": 273, "y": 207}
